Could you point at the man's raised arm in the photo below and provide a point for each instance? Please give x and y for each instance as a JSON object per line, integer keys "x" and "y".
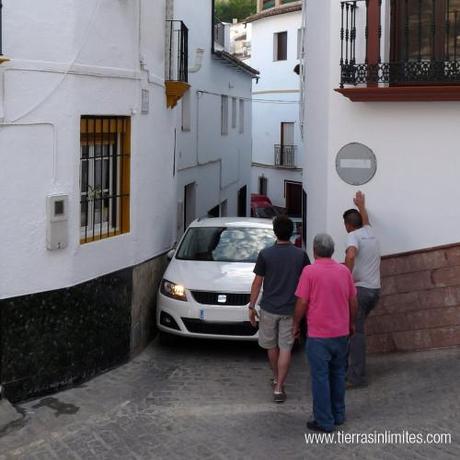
{"x": 360, "y": 202}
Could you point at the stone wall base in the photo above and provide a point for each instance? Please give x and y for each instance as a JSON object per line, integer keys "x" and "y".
{"x": 146, "y": 280}
{"x": 420, "y": 304}
{"x": 52, "y": 340}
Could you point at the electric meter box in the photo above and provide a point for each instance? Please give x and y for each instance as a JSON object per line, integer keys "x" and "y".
{"x": 57, "y": 222}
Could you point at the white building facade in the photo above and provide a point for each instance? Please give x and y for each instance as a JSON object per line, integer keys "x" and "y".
{"x": 214, "y": 128}
{"x": 397, "y": 96}
{"x": 88, "y": 186}
{"x": 276, "y": 47}
{"x": 240, "y": 40}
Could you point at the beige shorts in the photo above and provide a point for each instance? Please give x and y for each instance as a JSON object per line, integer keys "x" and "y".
{"x": 275, "y": 331}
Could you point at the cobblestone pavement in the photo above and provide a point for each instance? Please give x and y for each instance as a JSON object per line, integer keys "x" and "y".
{"x": 212, "y": 400}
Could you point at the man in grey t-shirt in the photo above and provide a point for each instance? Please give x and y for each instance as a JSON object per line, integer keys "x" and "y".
{"x": 363, "y": 259}
{"x": 278, "y": 269}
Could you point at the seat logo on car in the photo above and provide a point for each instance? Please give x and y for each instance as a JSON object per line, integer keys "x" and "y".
{"x": 222, "y": 298}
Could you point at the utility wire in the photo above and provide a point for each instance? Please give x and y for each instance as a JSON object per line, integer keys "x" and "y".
{"x": 86, "y": 36}
{"x": 263, "y": 101}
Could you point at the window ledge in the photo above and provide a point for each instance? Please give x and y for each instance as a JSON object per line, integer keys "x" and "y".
{"x": 401, "y": 93}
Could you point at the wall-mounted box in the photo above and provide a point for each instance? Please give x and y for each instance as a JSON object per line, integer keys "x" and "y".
{"x": 57, "y": 222}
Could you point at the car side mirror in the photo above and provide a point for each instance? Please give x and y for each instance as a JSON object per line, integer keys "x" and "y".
{"x": 170, "y": 254}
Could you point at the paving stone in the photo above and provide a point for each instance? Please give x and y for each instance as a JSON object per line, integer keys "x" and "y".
{"x": 212, "y": 400}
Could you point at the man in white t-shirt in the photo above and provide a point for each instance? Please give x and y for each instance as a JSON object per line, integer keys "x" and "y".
{"x": 362, "y": 257}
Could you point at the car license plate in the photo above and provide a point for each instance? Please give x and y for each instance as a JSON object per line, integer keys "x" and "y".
{"x": 220, "y": 315}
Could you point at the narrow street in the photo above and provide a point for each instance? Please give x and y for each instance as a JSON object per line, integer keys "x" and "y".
{"x": 212, "y": 400}
{"x": 151, "y": 151}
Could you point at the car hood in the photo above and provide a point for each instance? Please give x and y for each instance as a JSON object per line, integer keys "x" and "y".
{"x": 211, "y": 276}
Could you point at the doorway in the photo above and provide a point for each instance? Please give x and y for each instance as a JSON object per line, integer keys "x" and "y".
{"x": 242, "y": 201}
{"x": 214, "y": 212}
{"x": 189, "y": 204}
{"x": 293, "y": 195}
{"x": 263, "y": 185}
{"x": 287, "y": 142}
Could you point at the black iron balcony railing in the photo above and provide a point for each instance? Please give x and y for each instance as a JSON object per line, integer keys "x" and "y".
{"x": 285, "y": 155}
{"x": 177, "y": 55}
{"x": 421, "y": 45}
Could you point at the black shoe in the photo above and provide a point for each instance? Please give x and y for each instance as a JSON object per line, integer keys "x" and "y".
{"x": 279, "y": 397}
{"x": 339, "y": 423}
{"x": 315, "y": 427}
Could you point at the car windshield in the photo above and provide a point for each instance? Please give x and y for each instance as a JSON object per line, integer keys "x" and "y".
{"x": 225, "y": 244}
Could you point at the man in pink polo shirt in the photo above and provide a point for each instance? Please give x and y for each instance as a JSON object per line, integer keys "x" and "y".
{"x": 327, "y": 295}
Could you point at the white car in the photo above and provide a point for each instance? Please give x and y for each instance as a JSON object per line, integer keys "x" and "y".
{"x": 206, "y": 287}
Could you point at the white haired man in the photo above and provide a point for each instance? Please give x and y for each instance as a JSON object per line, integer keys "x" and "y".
{"x": 326, "y": 294}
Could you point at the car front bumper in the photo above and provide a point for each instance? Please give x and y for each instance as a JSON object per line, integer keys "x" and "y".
{"x": 191, "y": 319}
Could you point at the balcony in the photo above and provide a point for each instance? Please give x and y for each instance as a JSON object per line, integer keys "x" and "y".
{"x": 400, "y": 50}
{"x": 2, "y": 57}
{"x": 176, "y": 79}
{"x": 285, "y": 156}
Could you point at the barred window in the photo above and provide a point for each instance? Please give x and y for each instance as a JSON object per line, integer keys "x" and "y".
{"x": 105, "y": 151}
{"x": 425, "y": 30}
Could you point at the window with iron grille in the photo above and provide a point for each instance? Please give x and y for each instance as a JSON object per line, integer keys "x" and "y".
{"x": 105, "y": 152}
{"x": 425, "y": 30}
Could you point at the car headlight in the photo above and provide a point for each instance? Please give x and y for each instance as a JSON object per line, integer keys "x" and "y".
{"x": 175, "y": 291}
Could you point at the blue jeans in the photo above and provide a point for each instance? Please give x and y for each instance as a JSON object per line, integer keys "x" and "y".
{"x": 328, "y": 361}
{"x": 367, "y": 300}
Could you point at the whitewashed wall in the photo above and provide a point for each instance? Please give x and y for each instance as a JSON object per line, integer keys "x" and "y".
{"x": 275, "y": 75}
{"x": 278, "y": 82}
{"x": 413, "y": 198}
{"x": 73, "y": 58}
{"x": 219, "y": 165}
